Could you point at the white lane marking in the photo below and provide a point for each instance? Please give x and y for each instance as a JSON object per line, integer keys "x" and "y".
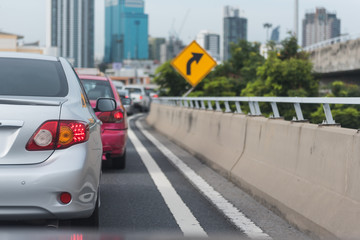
{"x": 227, "y": 208}
{"x": 182, "y": 214}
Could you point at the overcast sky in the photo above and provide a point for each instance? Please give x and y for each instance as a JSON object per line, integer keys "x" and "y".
{"x": 186, "y": 17}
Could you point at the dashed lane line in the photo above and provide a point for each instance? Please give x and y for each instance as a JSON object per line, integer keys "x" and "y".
{"x": 228, "y": 209}
{"x": 187, "y": 222}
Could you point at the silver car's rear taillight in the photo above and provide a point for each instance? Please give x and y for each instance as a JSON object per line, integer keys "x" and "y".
{"x": 62, "y": 134}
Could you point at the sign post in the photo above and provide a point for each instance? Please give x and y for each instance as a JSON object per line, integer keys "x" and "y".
{"x": 193, "y": 63}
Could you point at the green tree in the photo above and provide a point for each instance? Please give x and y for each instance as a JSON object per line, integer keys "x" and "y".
{"x": 288, "y": 74}
{"x": 218, "y": 86}
{"x": 245, "y": 56}
{"x": 170, "y": 81}
{"x": 102, "y": 66}
{"x": 229, "y": 78}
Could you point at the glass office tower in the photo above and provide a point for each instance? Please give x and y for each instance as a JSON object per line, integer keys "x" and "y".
{"x": 126, "y": 30}
{"x": 235, "y": 28}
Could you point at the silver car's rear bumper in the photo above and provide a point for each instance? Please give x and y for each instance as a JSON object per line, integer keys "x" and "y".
{"x": 32, "y": 191}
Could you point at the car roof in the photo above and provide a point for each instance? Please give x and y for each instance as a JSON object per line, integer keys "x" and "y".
{"x": 134, "y": 86}
{"x": 27, "y": 56}
{"x": 123, "y": 91}
{"x": 145, "y": 86}
{"x": 93, "y": 77}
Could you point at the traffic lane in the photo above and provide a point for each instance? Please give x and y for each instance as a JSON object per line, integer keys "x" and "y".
{"x": 211, "y": 220}
{"x": 268, "y": 221}
{"x": 130, "y": 202}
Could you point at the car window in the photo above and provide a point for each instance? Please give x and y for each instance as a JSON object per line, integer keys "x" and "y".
{"x": 149, "y": 90}
{"x": 123, "y": 93}
{"x": 134, "y": 90}
{"x": 24, "y": 77}
{"x": 96, "y": 89}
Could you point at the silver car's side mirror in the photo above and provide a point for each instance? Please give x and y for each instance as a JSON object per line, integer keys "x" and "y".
{"x": 105, "y": 105}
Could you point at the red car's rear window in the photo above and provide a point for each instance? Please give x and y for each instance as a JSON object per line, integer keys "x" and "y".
{"x": 96, "y": 89}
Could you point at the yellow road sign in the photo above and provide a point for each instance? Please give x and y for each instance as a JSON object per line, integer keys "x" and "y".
{"x": 193, "y": 63}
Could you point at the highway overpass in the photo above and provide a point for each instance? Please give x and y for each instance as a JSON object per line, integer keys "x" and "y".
{"x": 337, "y": 59}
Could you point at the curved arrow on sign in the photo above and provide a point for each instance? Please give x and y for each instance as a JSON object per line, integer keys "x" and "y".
{"x": 196, "y": 57}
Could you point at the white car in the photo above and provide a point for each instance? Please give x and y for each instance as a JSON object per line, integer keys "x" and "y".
{"x": 139, "y": 96}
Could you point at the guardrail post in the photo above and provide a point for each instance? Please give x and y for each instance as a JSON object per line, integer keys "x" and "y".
{"x": 191, "y": 104}
{"x": 197, "y": 104}
{"x": 181, "y": 103}
{"x": 227, "y": 107}
{"x": 252, "y": 108}
{"x": 298, "y": 111}
{"x": 275, "y": 110}
{"x": 328, "y": 115}
{"x": 210, "y": 105}
{"x": 257, "y": 108}
{"x": 203, "y": 105}
{"x": 218, "y": 108}
{"x": 238, "y": 108}
{"x": 186, "y": 103}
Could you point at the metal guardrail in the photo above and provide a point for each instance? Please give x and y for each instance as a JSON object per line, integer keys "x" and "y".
{"x": 253, "y": 102}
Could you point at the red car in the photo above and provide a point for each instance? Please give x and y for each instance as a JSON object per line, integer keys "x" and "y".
{"x": 114, "y": 127}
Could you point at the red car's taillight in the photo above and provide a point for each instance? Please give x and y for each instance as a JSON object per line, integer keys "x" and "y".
{"x": 111, "y": 117}
{"x": 62, "y": 134}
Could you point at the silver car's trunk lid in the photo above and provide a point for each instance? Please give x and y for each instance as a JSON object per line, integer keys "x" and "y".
{"x": 19, "y": 119}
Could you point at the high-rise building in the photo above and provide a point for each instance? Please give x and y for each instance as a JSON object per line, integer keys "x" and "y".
{"x": 170, "y": 49}
{"x": 235, "y": 28}
{"x": 126, "y": 30}
{"x": 155, "y": 48}
{"x": 319, "y": 26}
{"x": 210, "y": 42}
{"x": 275, "y": 34}
{"x": 72, "y": 30}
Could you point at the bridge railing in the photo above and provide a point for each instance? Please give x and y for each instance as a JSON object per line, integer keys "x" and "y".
{"x": 223, "y": 104}
{"x": 343, "y": 38}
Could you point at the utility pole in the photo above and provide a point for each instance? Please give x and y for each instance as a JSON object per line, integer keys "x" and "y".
{"x": 296, "y": 19}
{"x": 267, "y": 26}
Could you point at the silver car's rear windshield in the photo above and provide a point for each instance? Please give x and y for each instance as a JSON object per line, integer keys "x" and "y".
{"x": 134, "y": 90}
{"x": 96, "y": 89}
{"x": 30, "y": 77}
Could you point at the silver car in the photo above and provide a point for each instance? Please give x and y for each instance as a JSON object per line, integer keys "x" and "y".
{"x": 50, "y": 151}
{"x": 139, "y": 96}
{"x": 126, "y": 101}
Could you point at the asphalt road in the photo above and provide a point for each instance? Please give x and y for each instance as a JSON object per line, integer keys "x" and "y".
{"x": 133, "y": 200}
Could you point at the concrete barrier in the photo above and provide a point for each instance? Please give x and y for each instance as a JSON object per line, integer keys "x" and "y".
{"x": 307, "y": 173}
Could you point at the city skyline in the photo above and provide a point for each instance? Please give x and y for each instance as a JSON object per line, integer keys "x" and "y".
{"x": 188, "y": 16}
